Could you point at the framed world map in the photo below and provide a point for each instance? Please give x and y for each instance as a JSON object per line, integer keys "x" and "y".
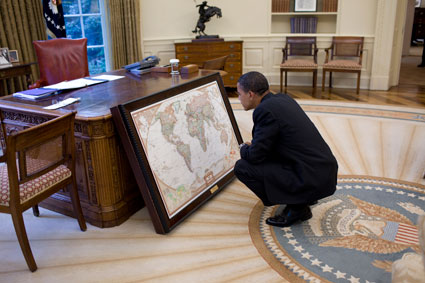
{"x": 182, "y": 144}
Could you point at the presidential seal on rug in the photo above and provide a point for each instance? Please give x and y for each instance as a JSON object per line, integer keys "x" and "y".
{"x": 354, "y": 235}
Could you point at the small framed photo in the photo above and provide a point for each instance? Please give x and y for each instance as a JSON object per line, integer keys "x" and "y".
{"x": 4, "y": 57}
{"x": 417, "y": 3}
{"x": 305, "y": 6}
{"x": 13, "y": 55}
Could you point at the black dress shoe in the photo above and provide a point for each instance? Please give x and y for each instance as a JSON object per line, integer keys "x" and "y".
{"x": 289, "y": 217}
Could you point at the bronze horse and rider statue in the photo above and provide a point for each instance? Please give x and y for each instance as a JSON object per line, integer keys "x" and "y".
{"x": 206, "y": 12}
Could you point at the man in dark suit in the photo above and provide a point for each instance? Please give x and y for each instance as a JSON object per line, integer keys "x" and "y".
{"x": 287, "y": 161}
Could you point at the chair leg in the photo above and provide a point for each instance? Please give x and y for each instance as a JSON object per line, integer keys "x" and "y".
{"x": 358, "y": 82}
{"x": 330, "y": 79}
{"x": 286, "y": 79}
{"x": 18, "y": 222}
{"x": 314, "y": 79}
{"x": 281, "y": 80}
{"x": 35, "y": 210}
{"x": 75, "y": 199}
{"x": 323, "y": 80}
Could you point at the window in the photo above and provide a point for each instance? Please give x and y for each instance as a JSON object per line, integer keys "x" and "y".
{"x": 86, "y": 18}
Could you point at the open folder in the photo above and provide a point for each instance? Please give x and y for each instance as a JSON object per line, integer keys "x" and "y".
{"x": 38, "y": 93}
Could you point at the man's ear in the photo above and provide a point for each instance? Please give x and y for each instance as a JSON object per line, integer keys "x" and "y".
{"x": 251, "y": 94}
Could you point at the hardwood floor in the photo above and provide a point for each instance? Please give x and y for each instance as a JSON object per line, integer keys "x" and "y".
{"x": 410, "y": 91}
{"x": 407, "y": 95}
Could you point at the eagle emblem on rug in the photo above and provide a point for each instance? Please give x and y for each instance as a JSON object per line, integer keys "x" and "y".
{"x": 373, "y": 228}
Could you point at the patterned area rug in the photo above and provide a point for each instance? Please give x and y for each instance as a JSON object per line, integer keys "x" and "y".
{"x": 354, "y": 235}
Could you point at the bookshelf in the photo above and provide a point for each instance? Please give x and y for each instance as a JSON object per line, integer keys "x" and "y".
{"x": 283, "y": 10}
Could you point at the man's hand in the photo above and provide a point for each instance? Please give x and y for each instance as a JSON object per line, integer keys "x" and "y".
{"x": 248, "y": 143}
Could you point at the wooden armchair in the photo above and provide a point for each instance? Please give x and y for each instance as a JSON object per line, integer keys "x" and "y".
{"x": 61, "y": 59}
{"x": 36, "y": 163}
{"x": 299, "y": 55}
{"x": 344, "y": 55}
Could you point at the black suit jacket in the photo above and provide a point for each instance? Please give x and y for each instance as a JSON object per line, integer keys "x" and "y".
{"x": 298, "y": 165}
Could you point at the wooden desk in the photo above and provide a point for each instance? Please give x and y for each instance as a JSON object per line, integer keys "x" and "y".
{"x": 108, "y": 191}
{"x": 16, "y": 70}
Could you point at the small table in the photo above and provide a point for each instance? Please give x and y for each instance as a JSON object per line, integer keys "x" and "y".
{"x": 17, "y": 69}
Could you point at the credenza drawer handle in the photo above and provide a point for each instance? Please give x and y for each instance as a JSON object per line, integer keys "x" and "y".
{"x": 231, "y": 65}
{"x": 185, "y": 48}
{"x": 186, "y": 57}
{"x": 232, "y": 55}
{"x": 232, "y": 78}
{"x": 232, "y": 46}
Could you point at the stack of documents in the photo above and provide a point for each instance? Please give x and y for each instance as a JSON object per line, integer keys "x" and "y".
{"x": 36, "y": 93}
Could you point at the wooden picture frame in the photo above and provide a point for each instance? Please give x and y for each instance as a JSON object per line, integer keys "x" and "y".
{"x": 4, "y": 57}
{"x": 13, "y": 55}
{"x": 182, "y": 144}
{"x": 305, "y": 6}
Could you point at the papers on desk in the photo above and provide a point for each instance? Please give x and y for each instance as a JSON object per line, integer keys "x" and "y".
{"x": 38, "y": 93}
{"x": 78, "y": 83}
{"x": 108, "y": 77}
{"x": 62, "y": 103}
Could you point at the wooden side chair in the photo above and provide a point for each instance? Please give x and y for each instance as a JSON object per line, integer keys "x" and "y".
{"x": 61, "y": 59}
{"x": 344, "y": 55}
{"x": 36, "y": 163}
{"x": 299, "y": 55}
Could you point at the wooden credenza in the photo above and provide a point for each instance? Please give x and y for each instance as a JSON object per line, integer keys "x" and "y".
{"x": 419, "y": 24}
{"x": 198, "y": 52}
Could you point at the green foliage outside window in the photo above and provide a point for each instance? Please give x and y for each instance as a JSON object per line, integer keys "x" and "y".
{"x": 83, "y": 19}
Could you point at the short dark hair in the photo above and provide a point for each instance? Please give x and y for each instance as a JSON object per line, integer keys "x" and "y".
{"x": 255, "y": 82}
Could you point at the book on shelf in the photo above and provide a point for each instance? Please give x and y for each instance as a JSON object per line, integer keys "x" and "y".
{"x": 303, "y": 24}
{"x": 330, "y": 6}
{"x": 279, "y": 6}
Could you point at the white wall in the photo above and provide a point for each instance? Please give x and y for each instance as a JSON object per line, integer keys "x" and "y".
{"x": 357, "y": 17}
{"x": 165, "y": 19}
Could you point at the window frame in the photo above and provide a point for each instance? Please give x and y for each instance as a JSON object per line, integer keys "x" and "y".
{"x": 104, "y": 19}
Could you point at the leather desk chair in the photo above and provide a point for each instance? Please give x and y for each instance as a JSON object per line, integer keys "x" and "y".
{"x": 216, "y": 64}
{"x": 36, "y": 163}
{"x": 344, "y": 55}
{"x": 299, "y": 55}
{"x": 61, "y": 59}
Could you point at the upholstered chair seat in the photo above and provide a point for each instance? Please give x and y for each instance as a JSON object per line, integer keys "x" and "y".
{"x": 343, "y": 64}
{"x": 33, "y": 187}
{"x": 299, "y": 64}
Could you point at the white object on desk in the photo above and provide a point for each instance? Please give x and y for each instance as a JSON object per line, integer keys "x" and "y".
{"x": 62, "y": 103}
{"x": 78, "y": 83}
{"x": 108, "y": 77}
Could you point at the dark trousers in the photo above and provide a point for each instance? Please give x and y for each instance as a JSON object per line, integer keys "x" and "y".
{"x": 252, "y": 175}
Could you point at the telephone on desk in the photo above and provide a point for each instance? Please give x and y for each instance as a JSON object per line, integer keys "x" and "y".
{"x": 143, "y": 66}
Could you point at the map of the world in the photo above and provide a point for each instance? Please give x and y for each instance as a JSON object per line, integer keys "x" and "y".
{"x": 189, "y": 142}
